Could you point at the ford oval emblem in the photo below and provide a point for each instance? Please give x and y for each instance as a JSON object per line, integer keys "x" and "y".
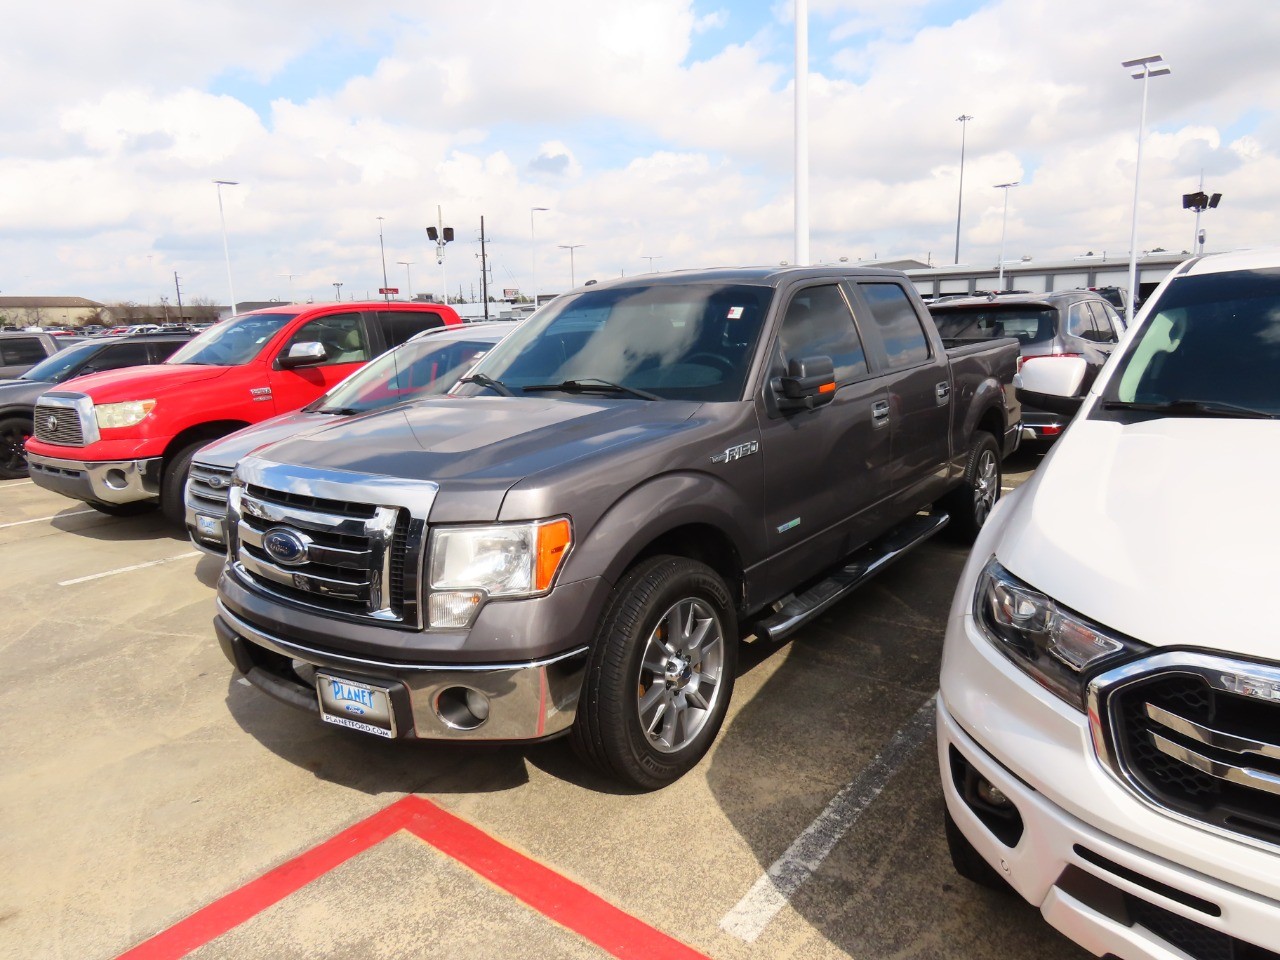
{"x": 286, "y": 546}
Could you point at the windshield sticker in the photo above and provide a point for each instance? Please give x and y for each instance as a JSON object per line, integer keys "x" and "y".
{"x": 735, "y": 313}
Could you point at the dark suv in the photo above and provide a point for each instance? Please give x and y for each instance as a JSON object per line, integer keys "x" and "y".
{"x": 1070, "y": 323}
{"x": 18, "y": 397}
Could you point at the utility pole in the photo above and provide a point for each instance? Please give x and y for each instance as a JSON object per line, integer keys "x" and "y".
{"x": 178, "y": 288}
{"x": 484, "y": 272}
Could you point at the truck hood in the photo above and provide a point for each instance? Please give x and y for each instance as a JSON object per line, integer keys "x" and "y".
{"x": 231, "y": 449}
{"x": 479, "y": 447}
{"x": 1163, "y": 530}
{"x": 140, "y": 383}
{"x": 22, "y": 392}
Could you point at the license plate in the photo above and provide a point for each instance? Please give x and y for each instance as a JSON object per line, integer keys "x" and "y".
{"x": 360, "y": 706}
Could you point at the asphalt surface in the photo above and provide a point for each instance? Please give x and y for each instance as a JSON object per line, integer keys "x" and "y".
{"x": 141, "y": 783}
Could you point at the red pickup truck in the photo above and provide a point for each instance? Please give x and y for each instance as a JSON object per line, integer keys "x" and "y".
{"x": 123, "y": 440}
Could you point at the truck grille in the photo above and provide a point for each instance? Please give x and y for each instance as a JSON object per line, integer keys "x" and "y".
{"x": 58, "y": 423}
{"x": 353, "y": 560}
{"x": 208, "y": 488}
{"x": 1201, "y": 738}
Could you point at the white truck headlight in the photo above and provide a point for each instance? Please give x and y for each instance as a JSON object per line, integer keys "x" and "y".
{"x": 468, "y": 565}
{"x": 113, "y": 415}
{"x": 1057, "y": 648}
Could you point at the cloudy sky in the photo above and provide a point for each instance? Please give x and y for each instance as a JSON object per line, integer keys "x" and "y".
{"x": 649, "y": 129}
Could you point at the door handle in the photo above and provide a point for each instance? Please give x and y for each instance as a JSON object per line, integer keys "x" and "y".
{"x": 880, "y": 413}
{"x": 942, "y": 391}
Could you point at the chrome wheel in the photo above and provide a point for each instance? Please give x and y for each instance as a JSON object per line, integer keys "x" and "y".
{"x": 681, "y": 674}
{"x": 986, "y": 486}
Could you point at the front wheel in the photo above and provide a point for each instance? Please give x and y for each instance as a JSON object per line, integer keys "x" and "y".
{"x": 659, "y": 675}
{"x": 14, "y": 433}
{"x": 174, "y": 483}
{"x": 972, "y": 502}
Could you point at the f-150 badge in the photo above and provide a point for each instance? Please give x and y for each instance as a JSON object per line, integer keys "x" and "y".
{"x": 738, "y": 452}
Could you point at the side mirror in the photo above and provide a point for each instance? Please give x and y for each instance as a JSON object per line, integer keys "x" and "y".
{"x": 810, "y": 382}
{"x": 303, "y": 355}
{"x": 1052, "y": 383}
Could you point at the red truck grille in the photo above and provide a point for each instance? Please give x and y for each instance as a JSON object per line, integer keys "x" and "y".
{"x": 58, "y": 423}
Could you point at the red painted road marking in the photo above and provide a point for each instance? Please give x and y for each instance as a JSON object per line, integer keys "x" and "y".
{"x": 556, "y": 897}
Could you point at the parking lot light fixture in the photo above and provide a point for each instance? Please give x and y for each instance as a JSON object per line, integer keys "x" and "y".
{"x": 1142, "y": 69}
{"x": 571, "y": 247}
{"x": 1004, "y": 223}
{"x": 963, "y": 120}
{"x": 386, "y": 296}
{"x": 408, "y": 278}
{"x": 337, "y": 290}
{"x": 226, "y": 251}
{"x": 533, "y": 253}
{"x": 650, "y": 259}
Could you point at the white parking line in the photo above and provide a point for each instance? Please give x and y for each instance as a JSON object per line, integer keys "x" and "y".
{"x": 74, "y": 513}
{"x": 788, "y": 873}
{"x": 15, "y": 483}
{"x": 136, "y": 566}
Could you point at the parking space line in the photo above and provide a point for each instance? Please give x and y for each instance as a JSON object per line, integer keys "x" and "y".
{"x": 136, "y": 566}
{"x": 14, "y": 483}
{"x": 554, "y": 896}
{"x": 73, "y": 513}
{"x": 788, "y": 873}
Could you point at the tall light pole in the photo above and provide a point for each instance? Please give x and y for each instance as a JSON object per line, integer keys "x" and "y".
{"x": 337, "y": 290}
{"x": 533, "y": 253}
{"x": 650, "y": 259}
{"x": 1142, "y": 69}
{"x": 408, "y": 279}
{"x": 1003, "y": 223}
{"x": 226, "y": 251}
{"x": 571, "y": 247}
{"x": 802, "y": 132}
{"x": 292, "y": 299}
{"x": 385, "y": 295}
{"x": 963, "y": 120}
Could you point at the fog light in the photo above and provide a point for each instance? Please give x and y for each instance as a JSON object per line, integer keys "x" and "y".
{"x": 462, "y": 708}
{"x": 116, "y": 479}
{"x": 989, "y": 793}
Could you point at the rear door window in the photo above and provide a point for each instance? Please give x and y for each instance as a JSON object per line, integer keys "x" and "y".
{"x": 904, "y": 338}
{"x": 399, "y": 325}
{"x": 19, "y": 350}
{"x": 1080, "y": 322}
{"x": 819, "y": 322}
{"x": 118, "y": 355}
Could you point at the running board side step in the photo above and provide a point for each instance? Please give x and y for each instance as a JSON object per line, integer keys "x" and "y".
{"x": 843, "y": 580}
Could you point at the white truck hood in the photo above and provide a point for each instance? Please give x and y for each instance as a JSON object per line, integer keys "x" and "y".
{"x": 1166, "y": 531}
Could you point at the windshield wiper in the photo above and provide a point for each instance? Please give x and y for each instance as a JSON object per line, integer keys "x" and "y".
{"x": 590, "y": 385}
{"x": 497, "y": 386}
{"x": 1192, "y": 408}
{"x": 339, "y": 411}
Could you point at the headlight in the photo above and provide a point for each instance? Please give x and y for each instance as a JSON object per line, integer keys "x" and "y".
{"x": 113, "y": 415}
{"x": 470, "y": 564}
{"x": 1057, "y": 648}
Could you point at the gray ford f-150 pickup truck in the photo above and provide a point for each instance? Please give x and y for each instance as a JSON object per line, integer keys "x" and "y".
{"x": 577, "y": 538}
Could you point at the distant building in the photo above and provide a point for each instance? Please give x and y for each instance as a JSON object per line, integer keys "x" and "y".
{"x": 51, "y": 311}
{"x": 1045, "y": 276}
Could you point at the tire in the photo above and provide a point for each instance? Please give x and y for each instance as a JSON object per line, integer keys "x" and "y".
{"x": 134, "y": 509}
{"x": 173, "y": 484}
{"x": 14, "y": 432}
{"x": 972, "y": 502}
{"x": 967, "y": 861}
{"x": 651, "y": 706}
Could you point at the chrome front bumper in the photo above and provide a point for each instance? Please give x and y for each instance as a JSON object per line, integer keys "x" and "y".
{"x": 107, "y": 481}
{"x": 531, "y": 700}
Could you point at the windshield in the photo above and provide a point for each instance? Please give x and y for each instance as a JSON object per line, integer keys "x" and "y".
{"x": 62, "y": 364}
{"x": 232, "y": 342}
{"x": 677, "y": 341}
{"x": 1030, "y": 324}
{"x": 420, "y": 368}
{"x": 1211, "y": 339}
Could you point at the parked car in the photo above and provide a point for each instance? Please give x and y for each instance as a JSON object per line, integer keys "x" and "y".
{"x": 20, "y": 351}
{"x": 18, "y": 397}
{"x": 574, "y": 540}
{"x": 426, "y": 365}
{"x": 123, "y": 441}
{"x": 1068, "y": 323}
{"x": 1109, "y": 715}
